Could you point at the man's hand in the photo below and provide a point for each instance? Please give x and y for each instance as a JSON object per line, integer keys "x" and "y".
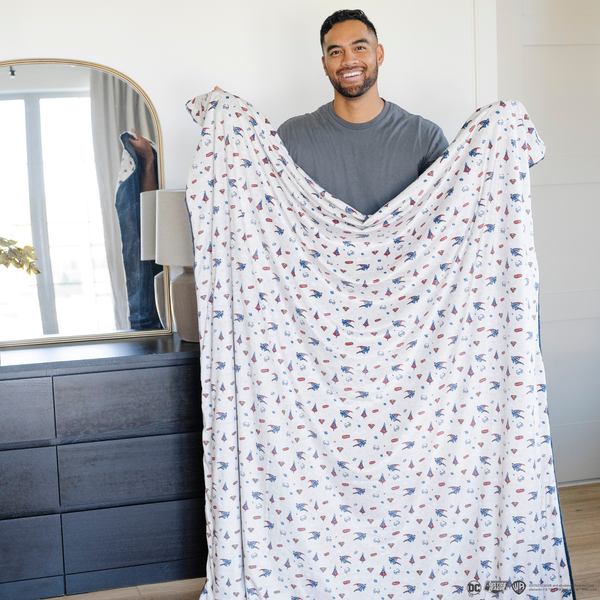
{"x": 143, "y": 149}
{"x": 218, "y": 89}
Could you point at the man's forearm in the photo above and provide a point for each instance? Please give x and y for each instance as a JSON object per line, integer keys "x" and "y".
{"x": 148, "y": 179}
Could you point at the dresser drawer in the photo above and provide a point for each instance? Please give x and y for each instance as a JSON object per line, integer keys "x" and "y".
{"x": 133, "y": 535}
{"x": 137, "y": 401}
{"x": 28, "y": 481}
{"x": 33, "y": 589}
{"x": 136, "y": 469}
{"x": 26, "y": 410}
{"x": 30, "y": 548}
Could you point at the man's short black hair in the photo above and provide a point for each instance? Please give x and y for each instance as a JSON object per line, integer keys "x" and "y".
{"x": 345, "y": 15}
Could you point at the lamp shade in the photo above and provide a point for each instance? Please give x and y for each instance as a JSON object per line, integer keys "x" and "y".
{"x": 174, "y": 245}
{"x": 148, "y": 225}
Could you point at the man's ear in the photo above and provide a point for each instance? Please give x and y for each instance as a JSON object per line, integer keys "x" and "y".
{"x": 380, "y": 54}
{"x": 324, "y": 65}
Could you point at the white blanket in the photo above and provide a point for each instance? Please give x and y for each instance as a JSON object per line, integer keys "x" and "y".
{"x": 374, "y": 401}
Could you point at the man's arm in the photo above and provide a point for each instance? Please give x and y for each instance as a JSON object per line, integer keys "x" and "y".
{"x": 437, "y": 144}
{"x": 144, "y": 151}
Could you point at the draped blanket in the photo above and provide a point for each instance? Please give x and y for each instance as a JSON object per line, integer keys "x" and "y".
{"x": 374, "y": 401}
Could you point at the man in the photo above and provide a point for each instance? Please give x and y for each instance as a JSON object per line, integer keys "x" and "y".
{"x": 361, "y": 148}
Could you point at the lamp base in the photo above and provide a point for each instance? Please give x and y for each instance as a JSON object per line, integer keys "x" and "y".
{"x": 185, "y": 306}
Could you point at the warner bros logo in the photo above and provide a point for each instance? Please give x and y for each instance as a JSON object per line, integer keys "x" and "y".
{"x": 518, "y": 587}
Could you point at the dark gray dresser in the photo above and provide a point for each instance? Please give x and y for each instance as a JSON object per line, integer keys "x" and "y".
{"x": 101, "y": 482}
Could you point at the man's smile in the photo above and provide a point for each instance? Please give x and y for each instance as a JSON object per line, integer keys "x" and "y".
{"x": 352, "y": 74}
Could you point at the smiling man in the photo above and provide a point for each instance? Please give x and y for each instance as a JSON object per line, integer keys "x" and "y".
{"x": 363, "y": 149}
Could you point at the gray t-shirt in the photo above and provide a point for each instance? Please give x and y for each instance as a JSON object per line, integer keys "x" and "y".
{"x": 363, "y": 164}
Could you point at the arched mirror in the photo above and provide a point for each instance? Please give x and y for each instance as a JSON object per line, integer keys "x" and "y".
{"x": 71, "y": 173}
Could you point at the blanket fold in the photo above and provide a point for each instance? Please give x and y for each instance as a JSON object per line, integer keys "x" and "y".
{"x": 374, "y": 401}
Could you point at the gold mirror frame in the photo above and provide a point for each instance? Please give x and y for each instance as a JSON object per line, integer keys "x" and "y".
{"x": 58, "y": 339}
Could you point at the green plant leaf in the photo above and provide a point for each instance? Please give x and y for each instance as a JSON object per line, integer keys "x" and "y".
{"x": 20, "y": 258}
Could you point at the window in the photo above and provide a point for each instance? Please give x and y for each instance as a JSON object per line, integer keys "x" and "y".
{"x": 49, "y": 199}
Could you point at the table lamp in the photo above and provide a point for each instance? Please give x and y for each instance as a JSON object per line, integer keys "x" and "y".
{"x": 173, "y": 247}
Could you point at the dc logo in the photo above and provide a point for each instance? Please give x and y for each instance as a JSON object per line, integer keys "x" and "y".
{"x": 518, "y": 587}
{"x": 474, "y": 587}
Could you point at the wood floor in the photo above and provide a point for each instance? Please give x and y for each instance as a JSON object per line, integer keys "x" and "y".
{"x": 174, "y": 590}
{"x": 580, "y": 506}
{"x": 581, "y": 518}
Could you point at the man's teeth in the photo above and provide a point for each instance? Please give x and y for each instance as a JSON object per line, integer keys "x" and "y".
{"x": 351, "y": 74}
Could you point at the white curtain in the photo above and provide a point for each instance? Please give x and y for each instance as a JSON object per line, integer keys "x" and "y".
{"x": 116, "y": 108}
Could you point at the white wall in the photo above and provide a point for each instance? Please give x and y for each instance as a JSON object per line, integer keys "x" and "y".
{"x": 266, "y": 51}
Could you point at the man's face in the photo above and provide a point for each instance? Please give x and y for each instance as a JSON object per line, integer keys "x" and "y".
{"x": 351, "y": 58}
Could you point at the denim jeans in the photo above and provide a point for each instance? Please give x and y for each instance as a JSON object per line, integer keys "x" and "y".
{"x": 139, "y": 274}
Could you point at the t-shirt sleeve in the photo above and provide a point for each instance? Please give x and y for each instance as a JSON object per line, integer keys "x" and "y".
{"x": 282, "y": 130}
{"x": 437, "y": 144}
{"x": 287, "y": 136}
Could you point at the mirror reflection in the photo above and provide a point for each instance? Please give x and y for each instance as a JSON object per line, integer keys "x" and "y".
{"x": 78, "y": 146}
